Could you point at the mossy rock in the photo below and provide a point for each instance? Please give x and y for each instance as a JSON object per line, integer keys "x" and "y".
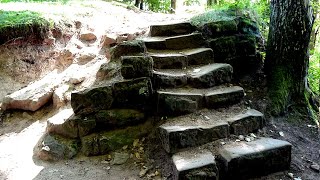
{"x": 220, "y": 28}
{"x": 128, "y": 48}
{"x": 136, "y": 66}
{"x": 105, "y": 142}
{"x": 55, "y": 147}
{"x": 94, "y": 98}
{"x": 118, "y": 117}
{"x": 22, "y": 24}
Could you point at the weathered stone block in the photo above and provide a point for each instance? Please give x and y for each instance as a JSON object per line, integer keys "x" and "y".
{"x": 94, "y": 98}
{"x": 195, "y": 164}
{"x": 133, "y": 94}
{"x": 177, "y": 135}
{"x": 224, "y": 96}
{"x": 136, "y": 66}
{"x": 194, "y": 40}
{"x": 128, "y": 48}
{"x": 118, "y": 117}
{"x": 250, "y": 121}
{"x": 169, "y": 61}
{"x": 223, "y": 48}
{"x": 244, "y": 160}
{"x": 168, "y": 78}
{"x": 210, "y": 75}
{"x": 90, "y": 145}
{"x": 171, "y": 29}
{"x": 56, "y": 148}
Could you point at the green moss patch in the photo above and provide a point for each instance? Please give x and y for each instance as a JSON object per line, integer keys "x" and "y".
{"x": 22, "y": 24}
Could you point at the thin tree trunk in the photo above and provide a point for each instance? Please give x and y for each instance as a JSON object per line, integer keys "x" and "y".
{"x": 173, "y": 6}
{"x": 287, "y": 52}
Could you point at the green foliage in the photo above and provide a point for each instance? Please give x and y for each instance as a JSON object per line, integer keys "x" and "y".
{"x": 14, "y": 24}
{"x": 60, "y": 1}
{"x": 159, "y": 5}
{"x": 314, "y": 72}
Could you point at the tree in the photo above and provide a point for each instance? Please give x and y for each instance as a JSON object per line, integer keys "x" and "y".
{"x": 287, "y": 55}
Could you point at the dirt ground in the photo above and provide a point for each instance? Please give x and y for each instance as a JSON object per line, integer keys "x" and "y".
{"x": 20, "y": 131}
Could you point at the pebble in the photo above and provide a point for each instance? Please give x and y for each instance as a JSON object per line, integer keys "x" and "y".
{"x": 241, "y": 137}
{"x": 120, "y": 158}
{"x": 298, "y": 178}
{"x": 143, "y": 172}
{"x": 207, "y": 118}
{"x": 248, "y": 139}
{"x": 253, "y": 135}
{"x": 223, "y": 143}
{"x": 281, "y": 133}
{"x": 315, "y": 167}
{"x": 290, "y": 175}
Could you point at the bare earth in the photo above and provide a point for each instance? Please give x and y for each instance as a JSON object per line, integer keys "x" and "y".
{"x": 20, "y": 131}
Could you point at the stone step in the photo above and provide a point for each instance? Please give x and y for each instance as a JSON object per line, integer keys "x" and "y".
{"x": 171, "y": 29}
{"x": 244, "y": 160}
{"x": 196, "y": 164}
{"x": 203, "y": 127}
{"x": 193, "y": 40}
{"x": 179, "y": 101}
{"x": 179, "y": 59}
{"x": 195, "y": 76}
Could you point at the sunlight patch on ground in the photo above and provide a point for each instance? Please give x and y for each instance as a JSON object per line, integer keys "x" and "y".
{"x": 17, "y": 152}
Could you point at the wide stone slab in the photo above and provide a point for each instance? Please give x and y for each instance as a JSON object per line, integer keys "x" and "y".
{"x": 194, "y": 40}
{"x": 244, "y": 123}
{"x": 177, "y": 101}
{"x": 224, "y": 96}
{"x": 244, "y": 160}
{"x": 171, "y": 29}
{"x": 195, "y": 164}
{"x": 179, "y": 59}
{"x": 183, "y": 132}
{"x": 198, "y": 77}
{"x": 128, "y": 48}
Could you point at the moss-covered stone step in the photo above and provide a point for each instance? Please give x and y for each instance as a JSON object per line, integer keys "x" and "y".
{"x": 244, "y": 160}
{"x": 171, "y": 29}
{"x": 107, "y": 141}
{"x": 126, "y": 94}
{"x": 194, "y": 164}
{"x": 193, "y": 40}
{"x": 195, "y": 76}
{"x": 179, "y": 101}
{"x": 179, "y": 59}
{"x": 194, "y": 130}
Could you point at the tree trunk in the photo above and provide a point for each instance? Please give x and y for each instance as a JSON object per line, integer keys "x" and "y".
{"x": 287, "y": 53}
{"x": 173, "y": 6}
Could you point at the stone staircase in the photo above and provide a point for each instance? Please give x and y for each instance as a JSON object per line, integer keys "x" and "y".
{"x": 170, "y": 74}
{"x": 187, "y": 80}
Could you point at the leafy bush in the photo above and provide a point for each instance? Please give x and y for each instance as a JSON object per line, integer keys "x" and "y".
{"x": 314, "y": 72}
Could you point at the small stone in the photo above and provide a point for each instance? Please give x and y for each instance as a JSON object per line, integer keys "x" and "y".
{"x": 223, "y": 143}
{"x": 137, "y": 155}
{"x": 315, "y": 167}
{"x": 107, "y": 168}
{"x": 241, "y": 137}
{"x": 237, "y": 140}
{"x": 125, "y": 147}
{"x": 157, "y": 173}
{"x": 104, "y": 162}
{"x": 143, "y": 172}
{"x": 61, "y": 176}
{"x": 46, "y": 148}
{"x": 135, "y": 142}
{"x": 290, "y": 175}
{"x": 207, "y": 118}
{"x": 253, "y": 135}
{"x": 88, "y": 36}
{"x": 281, "y": 133}
{"x": 298, "y": 178}
{"x": 248, "y": 139}
{"x": 120, "y": 158}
